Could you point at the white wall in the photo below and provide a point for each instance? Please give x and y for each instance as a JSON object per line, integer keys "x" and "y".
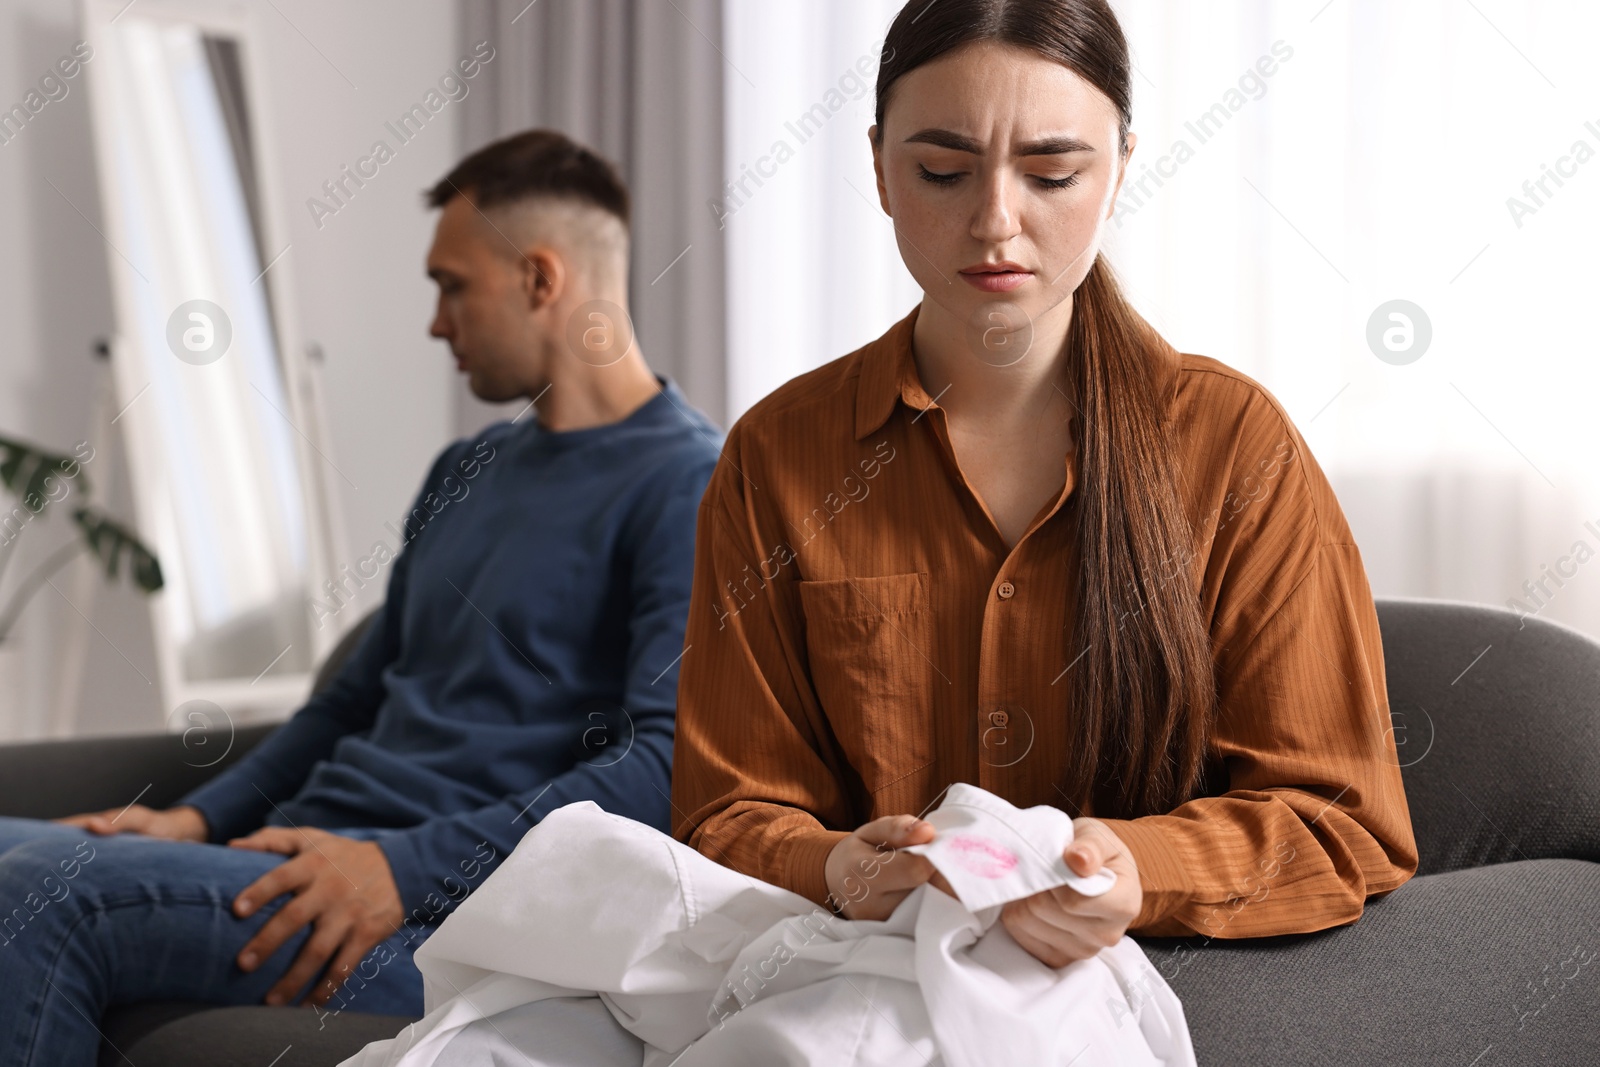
{"x": 337, "y": 73}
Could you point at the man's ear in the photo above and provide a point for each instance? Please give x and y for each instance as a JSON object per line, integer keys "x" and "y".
{"x": 877, "y": 169}
{"x": 543, "y": 276}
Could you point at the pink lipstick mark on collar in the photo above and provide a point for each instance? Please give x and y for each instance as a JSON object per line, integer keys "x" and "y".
{"x": 982, "y": 857}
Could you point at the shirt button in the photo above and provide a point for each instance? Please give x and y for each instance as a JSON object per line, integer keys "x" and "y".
{"x": 1006, "y": 589}
{"x": 1000, "y": 717}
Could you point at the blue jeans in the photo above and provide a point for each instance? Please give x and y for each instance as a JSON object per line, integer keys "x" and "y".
{"x": 89, "y": 923}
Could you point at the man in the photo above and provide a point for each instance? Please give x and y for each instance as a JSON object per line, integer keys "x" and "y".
{"x": 525, "y": 658}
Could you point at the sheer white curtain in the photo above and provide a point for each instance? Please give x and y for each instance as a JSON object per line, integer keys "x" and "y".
{"x": 813, "y": 271}
{"x": 1301, "y": 164}
{"x": 226, "y": 501}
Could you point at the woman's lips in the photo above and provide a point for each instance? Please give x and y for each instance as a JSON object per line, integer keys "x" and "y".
{"x": 996, "y": 282}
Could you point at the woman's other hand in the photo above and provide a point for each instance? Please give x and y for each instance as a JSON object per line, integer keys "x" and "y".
{"x": 1061, "y": 926}
{"x": 868, "y": 877}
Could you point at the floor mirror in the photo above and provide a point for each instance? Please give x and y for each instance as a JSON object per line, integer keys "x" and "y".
{"x": 217, "y": 404}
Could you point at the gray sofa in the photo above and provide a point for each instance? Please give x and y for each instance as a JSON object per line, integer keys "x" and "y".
{"x": 1489, "y": 956}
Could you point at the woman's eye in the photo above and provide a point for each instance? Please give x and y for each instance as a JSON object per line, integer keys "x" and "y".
{"x": 949, "y": 179}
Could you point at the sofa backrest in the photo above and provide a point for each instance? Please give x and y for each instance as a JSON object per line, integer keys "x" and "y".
{"x": 1497, "y": 725}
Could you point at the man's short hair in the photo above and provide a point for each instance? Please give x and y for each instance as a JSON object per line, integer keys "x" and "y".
{"x": 532, "y": 164}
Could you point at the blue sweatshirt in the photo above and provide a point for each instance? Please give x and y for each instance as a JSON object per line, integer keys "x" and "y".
{"x": 525, "y": 657}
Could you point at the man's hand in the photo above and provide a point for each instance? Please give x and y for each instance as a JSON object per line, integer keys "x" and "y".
{"x": 175, "y": 824}
{"x": 867, "y": 878}
{"x": 343, "y": 888}
{"x": 1060, "y": 926}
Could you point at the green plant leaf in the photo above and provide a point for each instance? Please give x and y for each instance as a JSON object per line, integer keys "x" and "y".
{"x": 26, "y": 470}
{"x": 108, "y": 539}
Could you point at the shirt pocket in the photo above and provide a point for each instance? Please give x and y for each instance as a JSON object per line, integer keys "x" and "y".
{"x": 868, "y": 646}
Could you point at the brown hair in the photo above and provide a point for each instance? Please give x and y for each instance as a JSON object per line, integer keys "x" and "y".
{"x": 531, "y": 164}
{"x": 1143, "y": 693}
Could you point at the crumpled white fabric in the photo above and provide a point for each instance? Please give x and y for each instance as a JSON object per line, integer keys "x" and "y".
{"x": 600, "y": 941}
{"x": 992, "y": 853}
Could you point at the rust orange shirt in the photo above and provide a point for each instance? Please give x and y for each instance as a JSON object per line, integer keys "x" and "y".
{"x": 860, "y": 637}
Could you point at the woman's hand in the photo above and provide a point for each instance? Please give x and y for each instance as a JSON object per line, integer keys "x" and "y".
{"x": 1060, "y": 926}
{"x": 868, "y": 878}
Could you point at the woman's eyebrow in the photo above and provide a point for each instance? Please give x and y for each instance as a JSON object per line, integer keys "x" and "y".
{"x": 1049, "y": 146}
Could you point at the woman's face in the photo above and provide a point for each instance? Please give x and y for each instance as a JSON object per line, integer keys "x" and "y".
{"x": 994, "y": 153}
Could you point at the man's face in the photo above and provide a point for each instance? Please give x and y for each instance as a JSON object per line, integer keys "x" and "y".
{"x": 486, "y": 309}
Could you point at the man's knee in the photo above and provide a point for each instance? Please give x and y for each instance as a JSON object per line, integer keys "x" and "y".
{"x": 14, "y": 832}
{"x": 44, "y": 881}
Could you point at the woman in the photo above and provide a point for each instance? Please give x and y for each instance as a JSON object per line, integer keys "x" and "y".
{"x": 1019, "y": 541}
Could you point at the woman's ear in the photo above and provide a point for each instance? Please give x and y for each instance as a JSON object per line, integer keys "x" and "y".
{"x": 1122, "y": 172}
{"x": 877, "y": 169}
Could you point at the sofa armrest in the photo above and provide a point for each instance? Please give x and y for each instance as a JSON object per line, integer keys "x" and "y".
{"x": 50, "y": 779}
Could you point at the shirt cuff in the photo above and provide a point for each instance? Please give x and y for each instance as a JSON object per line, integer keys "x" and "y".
{"x": 420, "y": 895}
{"x": 228, "y": 812}
{"x": 806, "y": 872}
{"x": 1162, "y": 873}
